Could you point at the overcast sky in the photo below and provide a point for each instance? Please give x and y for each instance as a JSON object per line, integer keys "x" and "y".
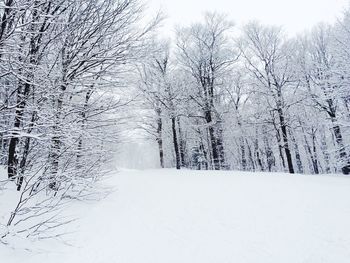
{"x": 294, "y": 15}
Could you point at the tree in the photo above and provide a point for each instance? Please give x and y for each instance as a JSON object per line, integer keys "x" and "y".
{"x": 268, "y": 59}
{"x": 324, "y": 82}
{"x": 204, "y": 51}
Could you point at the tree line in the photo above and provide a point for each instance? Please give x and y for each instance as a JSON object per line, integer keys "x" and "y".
{"x": 250, "y": 99}
{"x": 62, "y": 65}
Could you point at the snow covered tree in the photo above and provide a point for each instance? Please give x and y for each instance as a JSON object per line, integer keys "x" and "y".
{"x": 205, "y": 52}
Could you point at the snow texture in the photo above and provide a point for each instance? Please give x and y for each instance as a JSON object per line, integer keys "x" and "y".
{"x": 168, "y": 216}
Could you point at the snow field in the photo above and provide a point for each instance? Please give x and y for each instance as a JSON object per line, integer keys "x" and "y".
{"x": 168, "y": 216}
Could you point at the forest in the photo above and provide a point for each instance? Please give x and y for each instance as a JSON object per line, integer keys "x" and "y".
{"x": 250, "y": 99}
{"x": 75, "y": 75}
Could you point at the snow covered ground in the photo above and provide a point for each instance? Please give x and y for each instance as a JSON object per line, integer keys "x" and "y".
{"x": 168, "y": 216}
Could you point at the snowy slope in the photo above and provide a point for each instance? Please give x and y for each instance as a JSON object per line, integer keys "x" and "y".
{"x": 168, "y": 216}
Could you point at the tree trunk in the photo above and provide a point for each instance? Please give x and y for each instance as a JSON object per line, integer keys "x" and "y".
{"x": 297, "y": 154}
{"x": 325, "y": 152}
{"x": 308, "y": 149}
{"x": 181, "y": 144}
{"x": 5, "y": 22}
{"x": 212, "y": 141}
{"x": 206, "y": 159}
{"x": 24, "y": 87}
{"x": 215, "y": 154}
{"x": 220, "y": 147}
{"x": 175, "y": 143}
{"x": 270, "y": 158}
{"x": 26, "y": 148}
{"x": 56, "y": 141}
{"x": 314, "y": 153}
{"x": 243, "y": 155}
{"x": 257, "y": 154}
{"x": 12, "y": 161}
{"x": 280, "y": 149}
{"x": 285, "y": 141}
{"x": 342, "y": 152}
{"x": 23, "y": 163}
{"x": 83, "y": 123}
{"x": 250, "y": 156}
{"x": 159, "y": 137}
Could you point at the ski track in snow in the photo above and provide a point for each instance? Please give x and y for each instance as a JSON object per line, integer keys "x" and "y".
{"x": 168, "y": 216}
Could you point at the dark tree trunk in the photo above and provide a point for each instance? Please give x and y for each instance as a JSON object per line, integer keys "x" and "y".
{"x": 250, "y": 155}
{"x": 325, "y": 152}
{"x": 25, "y": 153}
{"x": 220, "y": 147}
{"x": 285, "y": 141}
{"x": 23, "y": 163}
{"x": 181, "y": 144}
{"x": 160, "y": 138}
{"x": 270, "y": 158}
{"x": 213, "y": 141}
{"x": 297, "y": 154}
{"x": 314, "y": 153}
{"x": 314, "y": 161}
{"x": 342, "y": 152}
{"x": 257, "y": 154}
{"x": 12, "y": 159}
{"x": 215, "y": 154}
{"x": 280, "y": 149}
{"x": 201, "y": 158}
{"x": 243, "y": 154}
{"x": 5, "y": 21}
{"x": 175, "y": 143}
{"x": 205, "y": 160}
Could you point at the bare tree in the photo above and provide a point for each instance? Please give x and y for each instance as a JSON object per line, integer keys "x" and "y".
{"x": 204, "y": 50}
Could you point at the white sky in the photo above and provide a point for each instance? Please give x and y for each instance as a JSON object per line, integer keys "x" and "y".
{"x": 294, "y": 15}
